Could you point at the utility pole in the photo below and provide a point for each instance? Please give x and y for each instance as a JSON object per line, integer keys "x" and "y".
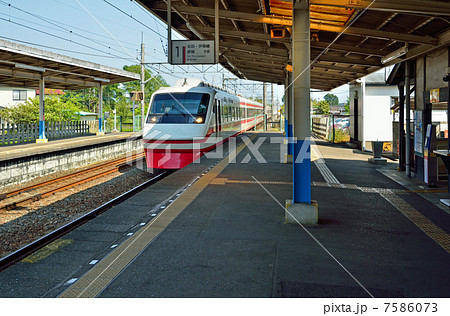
{"x": 142, "y": 83}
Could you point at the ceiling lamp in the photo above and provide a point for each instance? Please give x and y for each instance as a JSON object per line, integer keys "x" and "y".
{"x": 395, "y": 54}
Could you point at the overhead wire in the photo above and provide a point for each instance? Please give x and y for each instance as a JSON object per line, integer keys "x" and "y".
{"x": 130, "y": 16}
{"x": 54, "y": 23}
{"x": 59, "y": 24}
{"x": 103, "y": 18}
{"x": 36, "y": 23}
{"x": 59, "y": 37}
{"x": 145, "y": 68}
{"x": 156, "y": 24}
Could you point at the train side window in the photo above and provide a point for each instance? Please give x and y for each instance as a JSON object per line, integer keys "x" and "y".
{"x": 225, "y": 113}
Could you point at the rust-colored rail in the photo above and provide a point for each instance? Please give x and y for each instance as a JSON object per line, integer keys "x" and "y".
{"x": 14, "y": 198}
{"x": 45, "y": 240}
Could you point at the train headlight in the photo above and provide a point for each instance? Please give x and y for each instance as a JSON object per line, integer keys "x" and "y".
{"x": 199, "y": 120}
{"x": 154, "y": 119}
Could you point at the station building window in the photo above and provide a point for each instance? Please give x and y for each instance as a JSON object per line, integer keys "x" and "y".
{"x": 19, "y": 95}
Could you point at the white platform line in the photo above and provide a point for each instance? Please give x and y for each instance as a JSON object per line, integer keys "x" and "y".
{"x": 321, "y": 165}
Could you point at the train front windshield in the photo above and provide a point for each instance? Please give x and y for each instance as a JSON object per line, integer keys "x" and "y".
{"x": 189, "y": 107}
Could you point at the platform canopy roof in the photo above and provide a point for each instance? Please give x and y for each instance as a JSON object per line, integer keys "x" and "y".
{"x": 23, "y": 66}
{"x": 349, "y": 38}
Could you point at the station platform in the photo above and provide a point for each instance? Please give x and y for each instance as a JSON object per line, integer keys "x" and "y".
{"x": 23, "y": 163}
{"x": 216, "y": 228}
{"x": 32, "y": 149}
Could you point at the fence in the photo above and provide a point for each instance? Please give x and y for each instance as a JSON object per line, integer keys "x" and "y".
{"x": 320, "y": 126}
{"x": 11, "y": 134}
{"x": 334, "y": 128}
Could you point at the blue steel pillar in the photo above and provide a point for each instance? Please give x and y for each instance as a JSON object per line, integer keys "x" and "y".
{"x": 301, "y": 209}
{"x": 42, "y": 138}
{"x": 100, "y": 110}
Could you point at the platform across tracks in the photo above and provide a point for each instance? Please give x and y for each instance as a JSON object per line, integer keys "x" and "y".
{"x": 20, "y": 164}
{"x": 216, "y": 229}
{"x": 30, "y": 149}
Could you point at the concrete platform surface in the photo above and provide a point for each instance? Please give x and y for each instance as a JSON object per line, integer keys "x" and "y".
{"x": 375, "y": 237}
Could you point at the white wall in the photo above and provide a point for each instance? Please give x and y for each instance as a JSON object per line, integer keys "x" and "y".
{"x": 391, "y": 91}
{"x": 6, "y": 95}
{"x": 374, "y": 111}
{"x": 377, "y": 118}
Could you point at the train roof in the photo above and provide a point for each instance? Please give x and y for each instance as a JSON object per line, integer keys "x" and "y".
{"x": 197, "y": 85}
{"x": 187, "y": 84}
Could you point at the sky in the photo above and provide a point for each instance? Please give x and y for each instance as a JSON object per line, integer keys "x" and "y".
{"x": 109, "y": 32}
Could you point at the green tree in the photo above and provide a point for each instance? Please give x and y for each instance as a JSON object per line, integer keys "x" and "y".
{"x": 347, "y": 105}
{"x": 151, "y": 86}
{"x": 85, "y": 99}
{"x": 123, "y": 109}
{"x": 331, "y": 99}
{"x": 256, "y": 99}
{"x": 320, "y": 107}
{"x": 56, "y": 110}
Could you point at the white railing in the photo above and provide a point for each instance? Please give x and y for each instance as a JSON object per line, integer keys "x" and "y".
{"x": 11, "y": 134}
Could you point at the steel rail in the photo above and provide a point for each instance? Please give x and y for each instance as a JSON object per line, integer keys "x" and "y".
{"x": 37, "y": 196}
{"x": 58, "y": 233}
{"x": 14, "y": 192}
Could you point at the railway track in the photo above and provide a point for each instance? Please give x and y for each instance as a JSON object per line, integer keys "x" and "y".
{"x": 45, "y": 240}
{"x": 36, "y": 192}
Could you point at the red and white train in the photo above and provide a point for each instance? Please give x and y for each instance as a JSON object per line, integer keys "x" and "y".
{"x": 191, "y": 118}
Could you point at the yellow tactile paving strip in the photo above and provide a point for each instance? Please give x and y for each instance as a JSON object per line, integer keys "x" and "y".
{"x": 98, "y": 278}
{"x": 427, "y": 226}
